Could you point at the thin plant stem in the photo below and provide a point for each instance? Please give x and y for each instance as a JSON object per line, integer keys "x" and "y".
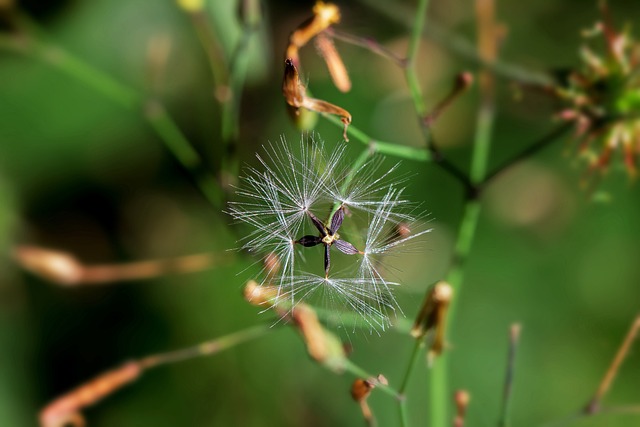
{"x": 529, "y": 151}
{"x": 237, "y": 76}
{"x": 367, "y": 43}
{"x": 479, "y": 160}
{"x": 415, "y": 356}
{"x": 187, "y": 156}
{"x": 460, "y": 45}
{"x": 514, "y": 338}
{"x": 207, "y": 348}
{"x": 410, "y": 70}
{"x": 109, "y": 273}
{"x": 214, "y": 52}
{"x": 68, "y": 406}
{"x": 155, "y": 114}
{"x": 382, "y": 147}
{"x": 610, "y": 375}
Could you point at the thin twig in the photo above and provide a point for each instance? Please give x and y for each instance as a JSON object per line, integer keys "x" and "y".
{"x": 594, "y": 404}
{"x": 382, "y": 147}
{"x": 67, "y": 407}
{"x": 531, "y": 149}
{"x": 460, "y": 45}
{"x": 367, "y": 43}
{"x": 415, "y": 356}
{"x": 514, "y": 337}
{"x": 487, "y": 45}
{"x": 161, "y": 122}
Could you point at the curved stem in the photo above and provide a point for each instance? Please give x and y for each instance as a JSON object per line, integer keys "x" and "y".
{"x": 153, "y": 111}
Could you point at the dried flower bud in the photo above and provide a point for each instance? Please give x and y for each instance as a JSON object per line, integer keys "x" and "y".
{"x": 461, "y": 83}
{"x": 66, "y": 409}
{"x": 461, "y": 399}
{"x": 402, "y": 230}
{"x": 360, "y": 389}
{"x": 271, "y": 264}
{"x": 432, "y": 317}
{"x": 336, "y": 67}
{"x": 295, "y": 94}
{"x": 322, "y": 345}
{"x": 259, "y": 295}
{"x": 58, "y": 267}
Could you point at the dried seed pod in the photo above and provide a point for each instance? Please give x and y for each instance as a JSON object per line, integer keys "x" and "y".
{"x": 271, "y": 264}
{"x": 56, "y": 266}
{"x": 461, "y": 399}
{"x": 66, "y": 409}
{"x": 258, "y": 295}
{"x": 295, "y": 94}
{"x": 334, "y": 62}
{"x": 360, "y": 391}
{"x": 432, "y": 317}
{"x": 322, "y": 345}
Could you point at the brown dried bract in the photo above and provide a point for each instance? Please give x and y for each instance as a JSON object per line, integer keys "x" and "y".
{"x": 336, "y": 67}
{"x": 295, "y": 93}
{"x": 432, "y": 317}
{"x": 324, "y": 15}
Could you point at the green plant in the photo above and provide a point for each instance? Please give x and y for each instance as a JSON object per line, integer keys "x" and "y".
{"x": 286, "y": 195}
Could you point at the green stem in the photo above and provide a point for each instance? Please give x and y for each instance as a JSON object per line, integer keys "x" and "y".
{"x": 212, "y": 49}
{"x": 163, "y": 125}
{"x": 85, "y": 73}
{"x": 460, "y": 45}
{"x": 415, "y": 356}
{"x": 410, "y": 70}
{"x": 440, "y": 392}
{"x": 514, "y": 337}
{"x": 388, "y": 148}
{"x": 206, "y": 348}
{"x": 482, "y": 144}
{"x": 182, "y": 150}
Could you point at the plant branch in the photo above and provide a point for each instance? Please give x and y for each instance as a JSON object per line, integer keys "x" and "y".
{"x": 461, "y": 46}
{"x": 415, "y": 356}
{"x": 514, "y": 337}
{"x": 594, "y": 404}
{"x": 155, "y": 114}
{"x": 388, "y": 148}
{"x": 367, "y": 43}
{"x": 66, "y": 408}
{"x": 531, "y": 149}
{"x": 487, "y": 46}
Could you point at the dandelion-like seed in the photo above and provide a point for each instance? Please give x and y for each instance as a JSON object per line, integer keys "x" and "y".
{"x": 299, "y": 203}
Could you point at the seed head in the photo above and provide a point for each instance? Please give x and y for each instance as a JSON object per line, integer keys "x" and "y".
{"x": 310, "y": 205}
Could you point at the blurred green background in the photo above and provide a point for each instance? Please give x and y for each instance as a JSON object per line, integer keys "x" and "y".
{"x": 81, "y": 174}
